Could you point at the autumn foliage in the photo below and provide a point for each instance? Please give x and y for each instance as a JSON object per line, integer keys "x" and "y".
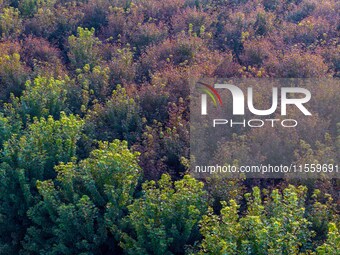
{"x": 94, "y": 127}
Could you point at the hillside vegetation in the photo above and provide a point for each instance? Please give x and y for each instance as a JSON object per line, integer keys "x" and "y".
{"x": 94, "y": 127}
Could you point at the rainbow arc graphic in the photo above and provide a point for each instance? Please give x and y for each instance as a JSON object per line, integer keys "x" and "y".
{"x": 212, "y": 92}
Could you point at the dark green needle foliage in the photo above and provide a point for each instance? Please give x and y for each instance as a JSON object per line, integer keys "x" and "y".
{"x": 82, "y": 208}
{"x": 165, "y": 219}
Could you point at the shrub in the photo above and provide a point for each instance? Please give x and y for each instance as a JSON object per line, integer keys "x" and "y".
{"x": 43, "y": 24}
{"x": 41, "y": 98}
{"x": 323, "y": 153}
{"x": 160, "y": 10}
{"x": 154, "y": 105}
{"x": 148, "y": 34}
{"x": 274, "y": 226}
{"x": 26, "y": 159}
{"x": 68, "y": 19}
{"x": 256, "y": 53}
{"x": 39, "y": 51}
{"x": 9, "y": 126}
{"x": 29, "y": 7}
{"x": 94, "y": 81}
{"x": 263, "y": 24}
{"x": 222, "y": 189}
{"x": 271, "y": 5}
{"x": 47, "y": 141}
{"x": 303, "y": 11}
{"x": 116, "y": 24}
{"x": 321, "y": 213}
{"x": 42, "y": 57}
{"x": 122, "y": 22}
{"x": 122, "y": 66}
{"x": 95, "y": 13}
{"x": 9, "y": 47}
{"x": 166, "y": 146}
{"x": 10, "y": 23}
{"x": 228, "y": 67}
{"x": 225, "y": 241}
{"x": 83, "y": 48}
{"x": 297, "y": 64}
{"x": 331, "y": 246}
{"x": 332, "y": 56}
{"x": 119, "y": 118}
{"x": 55, "y": 24}
{"x": 173, "y": 81}
{"x": 181, "y": 51}
{"x": 197, "y": 21}
{"x": 83, "y": 207}
{"x": 165, "y": 219}
{"x": 230, "y": 32}
{"x": 308, "y": 31}
{"x": 13, "y": 75}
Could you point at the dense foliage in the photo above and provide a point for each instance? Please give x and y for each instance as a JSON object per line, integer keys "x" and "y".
{"x": 94, "y": 127}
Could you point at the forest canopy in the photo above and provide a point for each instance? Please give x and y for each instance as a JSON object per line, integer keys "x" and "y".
{"x": 95, "y": 127}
